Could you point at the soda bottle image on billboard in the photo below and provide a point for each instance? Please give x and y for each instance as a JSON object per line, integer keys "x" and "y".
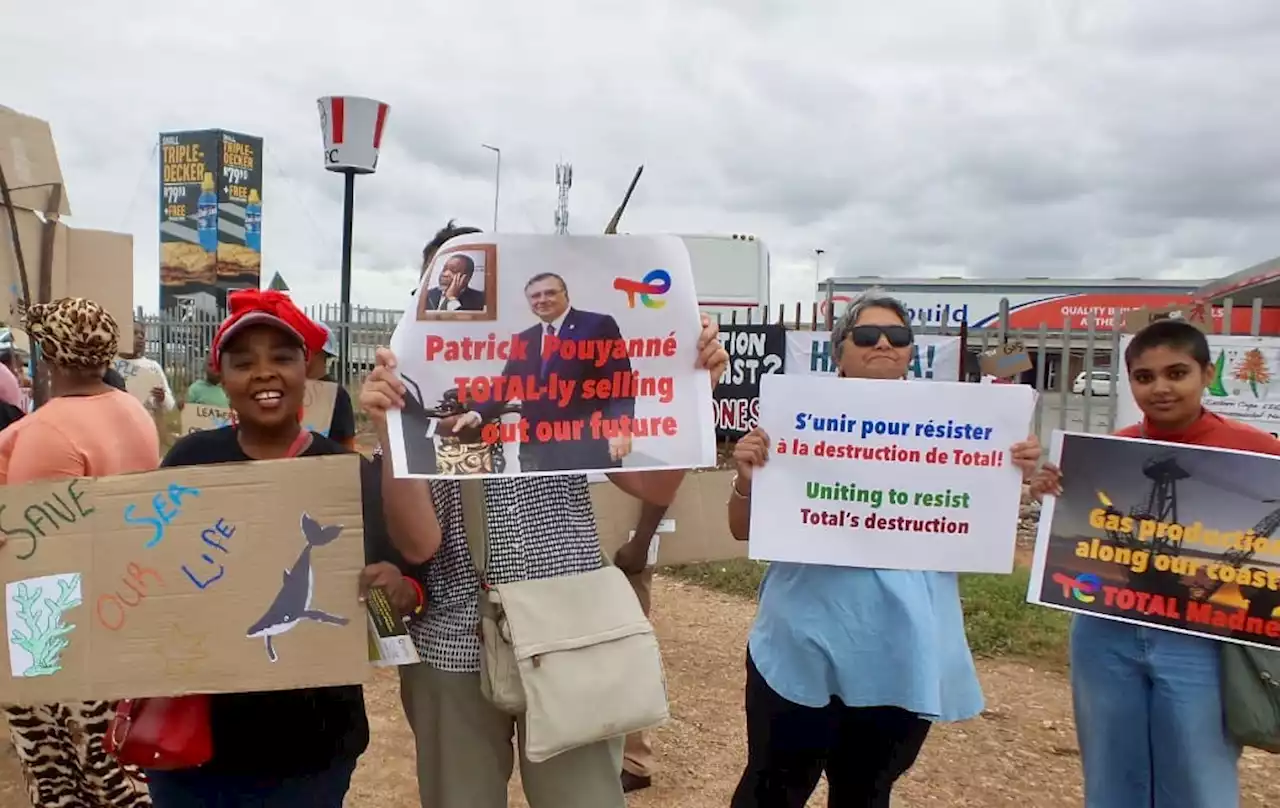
{"x": 239, "y": 212}
{"x": 188, "y": 233}
{"x": 253, "y": 222}
{"x": 207, "y": 215}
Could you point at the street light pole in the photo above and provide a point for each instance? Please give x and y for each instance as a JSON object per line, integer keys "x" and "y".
{"x": 497, "y": 181}
{"x": 817, "y": 267}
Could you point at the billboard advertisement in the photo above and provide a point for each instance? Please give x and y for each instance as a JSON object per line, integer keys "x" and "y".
{"x": 210, "y": 217}
{"x": 1028, "y": 310}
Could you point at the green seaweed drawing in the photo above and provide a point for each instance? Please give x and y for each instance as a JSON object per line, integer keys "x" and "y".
{"x": 1217, "y": 388}
{"x": 46, "y": 635}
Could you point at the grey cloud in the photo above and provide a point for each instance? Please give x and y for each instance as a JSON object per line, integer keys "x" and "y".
{"x": 993, "y": 137}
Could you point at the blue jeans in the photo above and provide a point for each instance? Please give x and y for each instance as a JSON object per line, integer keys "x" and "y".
{"x": 1149, "y": 720}
{"x": 194, "y": 788}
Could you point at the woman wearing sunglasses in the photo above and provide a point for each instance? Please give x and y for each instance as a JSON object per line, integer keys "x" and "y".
{"x": 847, "y": 669}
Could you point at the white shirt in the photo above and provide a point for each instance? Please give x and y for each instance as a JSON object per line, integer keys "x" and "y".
{"x": 149, "y": 374}
{"x": 556, "y": 324}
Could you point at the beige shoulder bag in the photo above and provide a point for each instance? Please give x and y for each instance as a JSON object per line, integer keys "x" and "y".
{"x": 574, "y": 654}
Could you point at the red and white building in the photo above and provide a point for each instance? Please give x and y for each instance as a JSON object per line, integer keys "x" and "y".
{"x": 1065, "y": 306}
{"x": 1060, "y": 305}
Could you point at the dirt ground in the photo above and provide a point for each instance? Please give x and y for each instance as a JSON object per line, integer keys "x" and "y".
{"x": 1021, "y": 752}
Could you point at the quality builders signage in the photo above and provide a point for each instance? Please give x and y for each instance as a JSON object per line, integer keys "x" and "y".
{"x": 226, "y": 578}
{"x": 1028, "y": 310}
{"x": 1214, "y": 573}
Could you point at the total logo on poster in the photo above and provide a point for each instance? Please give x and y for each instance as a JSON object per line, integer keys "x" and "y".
{"x": 1244, "y": 384}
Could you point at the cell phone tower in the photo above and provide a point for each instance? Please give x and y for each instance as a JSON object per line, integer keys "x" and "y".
{"x": 564, "y": 181}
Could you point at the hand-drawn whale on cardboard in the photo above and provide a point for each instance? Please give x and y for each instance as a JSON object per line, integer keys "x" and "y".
{"x": 293, "y": 603}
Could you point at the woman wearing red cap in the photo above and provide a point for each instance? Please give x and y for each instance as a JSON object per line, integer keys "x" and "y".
{"x": 299, "y": 747}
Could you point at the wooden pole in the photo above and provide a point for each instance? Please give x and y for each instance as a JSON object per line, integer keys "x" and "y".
{"x": 7, "y": 199}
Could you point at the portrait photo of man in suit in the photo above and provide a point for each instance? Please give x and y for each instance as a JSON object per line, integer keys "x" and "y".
{"x": 453, "y": 291}
{"x": 548, "y": 298}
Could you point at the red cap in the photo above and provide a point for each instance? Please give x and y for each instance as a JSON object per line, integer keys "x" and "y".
{"x": 249, "y": 307}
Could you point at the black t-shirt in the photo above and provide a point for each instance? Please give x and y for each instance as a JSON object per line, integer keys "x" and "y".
{"x": 289, "y": 732}
{"x": 343, "y": 426}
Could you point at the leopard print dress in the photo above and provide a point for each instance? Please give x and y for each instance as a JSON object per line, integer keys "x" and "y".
{"x": 63, "y": 763}
{"x": 60, "y": 745}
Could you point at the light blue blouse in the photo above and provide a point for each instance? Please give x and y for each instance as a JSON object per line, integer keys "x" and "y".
{"x": 868, "y": 637}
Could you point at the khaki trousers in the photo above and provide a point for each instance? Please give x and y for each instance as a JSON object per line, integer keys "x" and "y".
{"x": 465, "y": 752}
{"x": 637, "y": 755}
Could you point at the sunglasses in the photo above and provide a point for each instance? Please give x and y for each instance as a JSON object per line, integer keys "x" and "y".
{"x": 868, "y": 336}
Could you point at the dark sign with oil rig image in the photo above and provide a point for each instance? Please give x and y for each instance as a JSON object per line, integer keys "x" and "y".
{"x": 1163, "y": 535}
{"x": 210, "y": 217}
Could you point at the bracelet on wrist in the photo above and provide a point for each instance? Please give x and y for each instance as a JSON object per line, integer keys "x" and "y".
{"x": 737, "y": 492}
{"x": 421, "y": 596}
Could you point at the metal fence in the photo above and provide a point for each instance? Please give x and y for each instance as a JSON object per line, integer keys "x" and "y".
{"x": 180, "y": 341}
{"x": 1059, "y": 357}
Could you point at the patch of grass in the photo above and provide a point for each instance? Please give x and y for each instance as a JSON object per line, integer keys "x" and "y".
{"x": 998, "y": 620}
{"x": 739, "y": 576}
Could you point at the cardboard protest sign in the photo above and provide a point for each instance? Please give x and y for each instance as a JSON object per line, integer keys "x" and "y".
{"x": 225, "y": 578}
{"x": 1244, "y": 381}
{"x": 140, "y": 378}
{"x": 1194, "y": 314}
{"x": 754, "y": 350}
{"x": 695, "y": 529}
{"x": 317, "y": 406}
{"x": 199, "y": 417}
{"x": 933, "y": 357}
{"x": 317, "y": 410}
{"x": 1005, "y": 361}
{"x": 551, "y": 355}
{"x": 1110, "y": 546}
{"x": 889, "y": 474}
{"x": 93, "y": 264}
{"x": 30, "y": 162}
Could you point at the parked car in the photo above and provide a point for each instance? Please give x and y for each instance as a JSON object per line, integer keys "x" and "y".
{"x": 1096, "y": 384}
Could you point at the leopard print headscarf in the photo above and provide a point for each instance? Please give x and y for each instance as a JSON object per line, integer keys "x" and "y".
{"x": 74, "y": 332}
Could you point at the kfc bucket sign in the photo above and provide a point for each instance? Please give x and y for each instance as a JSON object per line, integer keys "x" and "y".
{"x": 352, "y": 128}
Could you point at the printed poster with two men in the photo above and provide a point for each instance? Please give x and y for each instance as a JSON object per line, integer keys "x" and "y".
{"x": 526, "y": 354}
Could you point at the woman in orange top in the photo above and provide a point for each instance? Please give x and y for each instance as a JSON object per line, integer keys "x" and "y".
{"x": 87, "y": 429}
{"x": 1148, "y": 702}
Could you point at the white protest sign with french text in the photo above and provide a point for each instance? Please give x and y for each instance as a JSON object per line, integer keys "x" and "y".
{"x": 526, "y": 354}
{"x": 933, "y": 357}
{"x": 889, "y": 474}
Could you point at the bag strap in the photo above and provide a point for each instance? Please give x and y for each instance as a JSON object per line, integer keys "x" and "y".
{"x": 299, "y": 444}
{"x": 475, "y": 521}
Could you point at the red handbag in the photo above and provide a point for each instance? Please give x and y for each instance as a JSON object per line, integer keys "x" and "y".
{"x": 164, "y": 733}
{"x": 171, "y": 732}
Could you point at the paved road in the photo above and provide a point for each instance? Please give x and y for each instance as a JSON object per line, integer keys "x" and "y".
{"x": 1054, "y": 404}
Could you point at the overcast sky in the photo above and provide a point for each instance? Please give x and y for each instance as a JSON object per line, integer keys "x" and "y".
{"x": 992, "y": 138}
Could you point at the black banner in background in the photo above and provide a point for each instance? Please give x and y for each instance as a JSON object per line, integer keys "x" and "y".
{"x": 754, "y": 350}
